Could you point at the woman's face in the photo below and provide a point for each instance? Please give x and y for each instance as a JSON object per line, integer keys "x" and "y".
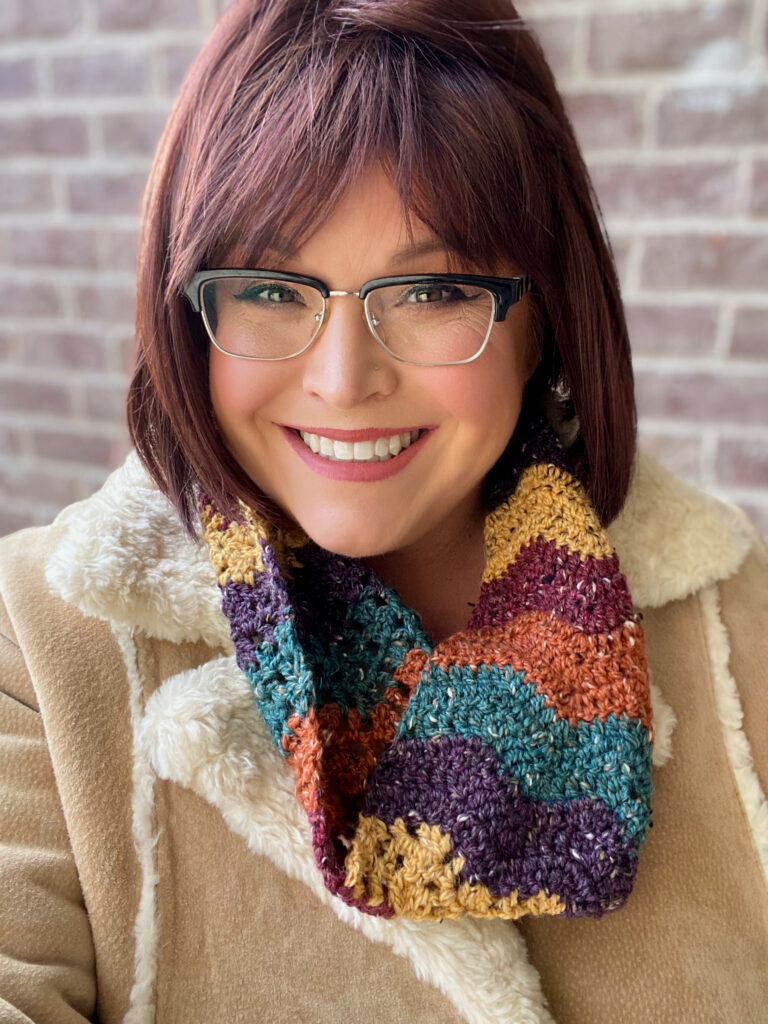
{"x": 347, "y": 387}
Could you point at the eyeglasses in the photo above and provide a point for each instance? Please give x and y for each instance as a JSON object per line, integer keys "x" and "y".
{"x": 425, "y": 319}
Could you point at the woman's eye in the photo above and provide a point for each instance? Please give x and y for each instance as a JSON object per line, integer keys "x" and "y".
{"x": 430, "y": 293}
{"x": 268, "y": 293}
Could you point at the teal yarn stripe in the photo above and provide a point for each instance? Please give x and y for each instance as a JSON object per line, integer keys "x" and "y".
{"x": 547, "y": 757}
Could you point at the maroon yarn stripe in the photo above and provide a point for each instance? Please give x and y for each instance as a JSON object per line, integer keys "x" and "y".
{"x": 591, "y": 595}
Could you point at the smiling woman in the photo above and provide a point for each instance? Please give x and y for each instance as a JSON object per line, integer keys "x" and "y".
{"x": 341, "y": 678}
{"x": 444, "y": 424}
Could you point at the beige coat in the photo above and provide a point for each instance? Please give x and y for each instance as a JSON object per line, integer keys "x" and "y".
{"x": 155, "y": 864}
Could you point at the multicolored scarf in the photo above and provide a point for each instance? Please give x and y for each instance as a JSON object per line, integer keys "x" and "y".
{"x": 503, "y": 771}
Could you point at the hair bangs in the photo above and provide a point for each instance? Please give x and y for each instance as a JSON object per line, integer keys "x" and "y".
{"x": 432, "y": 121}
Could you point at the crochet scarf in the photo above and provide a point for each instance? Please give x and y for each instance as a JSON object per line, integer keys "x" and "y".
{"x": 503, "y": 771}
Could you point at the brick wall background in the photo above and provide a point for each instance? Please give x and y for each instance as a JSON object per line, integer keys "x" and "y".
{"x": 670, "y": 101}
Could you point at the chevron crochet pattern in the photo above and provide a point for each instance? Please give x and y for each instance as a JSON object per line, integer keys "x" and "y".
{"x": 503, "y": 771}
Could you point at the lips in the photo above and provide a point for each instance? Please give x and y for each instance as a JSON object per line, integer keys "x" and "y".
{"x": 357, "y": 455}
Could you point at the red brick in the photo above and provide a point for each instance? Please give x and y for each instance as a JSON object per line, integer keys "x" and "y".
{"x": 106, "y": 403}
{"x": 135, "y": 133}
{"x": 665, "y": 189}
{"x": 760, "y": 188}
{"x": 38, "y": 17}
{"x": 671, "y": 330}
{"x": 606, "y": 120}
{"x": 702, "y": 397}
{"x": 36, "y": 485}
{"x": 115, "y": 304}
{"x": 10, "y": 440}
{"x": 742, "y": 463}
{"x": 69, "y": 446}
{"x": 17, "y": 78}
{"x": 54, "y": 246}
{"x": 43, "y": 136}
{"x": 699, "y": 261}
{"x": 29, "y": 190}
{"x": 64, "y": 350}
{"x": 114, "y": 193}
{"x": 714, "y": 114}
{"x": 114, "y": 15}
{"x": 9, "y": 347}
{"x": 649, "y": 40}
{"x": 750, "y": 333}
{"x": 101, "y": 74}
{"x": 680, "y": 455}
{"x": 120, "y": 249}
{"x": 557, "y": 37}
{"x": 127, "y": 348}
{"x": 20, "y": 298}
{"x": 27, "y": 395}
{"x": 174, "y": 62}
{"x": 621, "y": 245}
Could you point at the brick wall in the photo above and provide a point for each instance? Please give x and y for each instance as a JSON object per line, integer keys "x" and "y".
{"x": 670, "y": 101}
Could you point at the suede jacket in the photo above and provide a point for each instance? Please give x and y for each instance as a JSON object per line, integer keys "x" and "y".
{"x": 156, "y": 865}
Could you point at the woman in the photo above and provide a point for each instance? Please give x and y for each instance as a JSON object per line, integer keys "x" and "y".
{"x": 403, "y": 751}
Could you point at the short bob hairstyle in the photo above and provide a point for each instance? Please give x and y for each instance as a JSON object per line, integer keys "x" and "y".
{"x": 287, "y": 104}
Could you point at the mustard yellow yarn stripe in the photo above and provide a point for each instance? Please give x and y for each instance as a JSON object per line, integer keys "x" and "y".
{"x": 424, "y": 885}
{"x": 235, "y": 551}
{"x": 547, "y": 502}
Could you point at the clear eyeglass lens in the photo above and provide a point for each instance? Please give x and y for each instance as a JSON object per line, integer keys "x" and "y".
{"x": 432, "y": 322}
{"x": 263, "y": 318}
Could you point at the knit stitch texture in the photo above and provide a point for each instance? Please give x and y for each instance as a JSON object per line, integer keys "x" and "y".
{"x": 503, "y": 771}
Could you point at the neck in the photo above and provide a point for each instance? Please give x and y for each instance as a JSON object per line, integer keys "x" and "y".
{"x": 440, "y": 575}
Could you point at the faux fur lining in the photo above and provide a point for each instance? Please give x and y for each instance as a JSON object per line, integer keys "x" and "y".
{"x": 673, "y": 539}
{"x": 125, "y": 556}
{"x": 142, "y": 1000}
{"x": 664, "y": 722}
{"x": 201, "y": 730}
{"x": 732, "y": 716}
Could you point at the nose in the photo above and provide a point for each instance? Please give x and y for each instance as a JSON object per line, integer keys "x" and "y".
{"x": 345, "y": 365}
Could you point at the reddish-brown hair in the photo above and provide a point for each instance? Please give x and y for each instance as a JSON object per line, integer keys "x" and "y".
{"x": 287, "y": 104}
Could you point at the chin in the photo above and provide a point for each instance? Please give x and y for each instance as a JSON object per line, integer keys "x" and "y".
{"x": 338, "y": 535}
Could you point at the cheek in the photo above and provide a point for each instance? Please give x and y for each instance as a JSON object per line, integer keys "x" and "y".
{"x": 484, "y": 397}
{"x": 239, "y": 389}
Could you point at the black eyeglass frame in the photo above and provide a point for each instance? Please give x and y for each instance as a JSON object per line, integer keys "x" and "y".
{"x": 505, "y": 291}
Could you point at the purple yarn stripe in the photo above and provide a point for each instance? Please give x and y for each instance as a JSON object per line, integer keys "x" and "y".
{"x": 591, "y": 595}
{"x": 508, "y": 841}
{"x": 255, "y": 611}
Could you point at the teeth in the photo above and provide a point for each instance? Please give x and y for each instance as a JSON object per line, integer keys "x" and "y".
{"x": 380, "y": 450}
{"x": 363, "y": 451}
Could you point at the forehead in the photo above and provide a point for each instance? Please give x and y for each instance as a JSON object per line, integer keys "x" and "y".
{"x": 368, "y": 229}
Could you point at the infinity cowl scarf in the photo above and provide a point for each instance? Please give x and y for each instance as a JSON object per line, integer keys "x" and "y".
{"x": 503, "y": 771}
